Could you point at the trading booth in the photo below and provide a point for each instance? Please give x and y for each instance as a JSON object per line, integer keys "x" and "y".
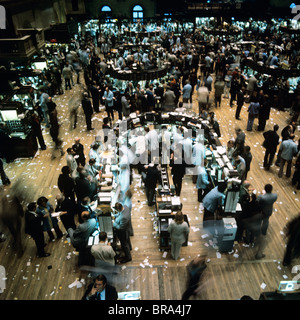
{"x": 219, "y": 169}
{"x": 13, "y": 107}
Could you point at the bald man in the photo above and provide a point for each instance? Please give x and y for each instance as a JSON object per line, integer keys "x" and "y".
{"x": 80, "y": 236}
{"x": 79, "y": 152}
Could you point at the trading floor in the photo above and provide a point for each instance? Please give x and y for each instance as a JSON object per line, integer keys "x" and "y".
{"x": 229, "y": 276}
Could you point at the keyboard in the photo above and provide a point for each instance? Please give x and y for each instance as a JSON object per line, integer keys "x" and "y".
{"x": 15, "y": 125}
{"x": 105, "y": 224}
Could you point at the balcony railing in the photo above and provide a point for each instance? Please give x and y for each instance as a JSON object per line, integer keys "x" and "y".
{"x": 17, "y": 48}
{"x": 38, "y": 36}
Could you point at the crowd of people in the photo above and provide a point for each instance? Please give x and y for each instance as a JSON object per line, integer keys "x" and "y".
{"x": 221, "y": 76}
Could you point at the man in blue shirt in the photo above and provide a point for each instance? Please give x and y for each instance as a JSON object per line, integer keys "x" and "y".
{"x": 274, "y": 61}
{"x": 202, "y": 182}
{"x": 108, "y": 98}
{"x": 186, "y": 92}
{"x": 208, "y": 82}
{"x": 122, "y": 228}
{"x": 80, "y": 236}
{"x": 211, "y": 202}
{"x": 288, "y": 149}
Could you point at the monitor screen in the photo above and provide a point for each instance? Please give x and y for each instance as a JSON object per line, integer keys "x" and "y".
{"x": 8, "y": 115}
{"x": 40, "y": 65}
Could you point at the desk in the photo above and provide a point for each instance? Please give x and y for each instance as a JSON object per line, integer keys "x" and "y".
{"x": 24, "y": 146}
{"x": 167, "y": 185}
{"x": 166, "y": 207}
{"x": 130, "y": 295}
{"x": 137, "y": 75}
{"x": 104, "y": 224}
{"x": 107, "y": 179}
{"x": 166, "y": 204}
{"x": 275, "y": 72}
{"x": 226, "y": 241}
{"x": 141, "y": 34}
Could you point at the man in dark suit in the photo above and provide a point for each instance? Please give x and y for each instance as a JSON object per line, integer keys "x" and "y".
{"x": 33, "y": 227}
{"x": 84, "y": 205}
{"x": 100, "y": 290}
{"x": 195, "y": 271}
{"x": 247, "y": 156}
{"x": 79, "y": 152}
{"x": 159, "y": 91}
{"x": 239, "y": 140}
{"x": 94, "y": 90}
{"x": 67, "y": 208}
{"x": 54, "y": 132}
{"x": 66, "y": 184}
{"x": 271, "y": 142}
{"x": 264, "y": 113}
{"x": 151, "y": 180}
{"x": 234, "y": 89}
{"x": 4, "y": 177}
{"x": 178, "y": 172}
{"x": 6, "y": 143}
{"x": 37, "y": 130}
{"x": 84, "y": 186}
{"x": 240, "y": 102}
{"x": 293, "y": 241}
{"x": 122, "y": 228}
{"x": 88, "y": 110}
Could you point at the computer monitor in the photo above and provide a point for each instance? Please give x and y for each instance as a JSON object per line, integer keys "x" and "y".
{"x": 8, "y": 115}
{"x": 41, "y": 65}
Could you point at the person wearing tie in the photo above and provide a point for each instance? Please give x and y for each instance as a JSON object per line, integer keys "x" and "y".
{"x": 45, "y": 209}
{"x": 34, "y": 227}
{"x": 100, "y": 290}
{"x": 79, "y": 156}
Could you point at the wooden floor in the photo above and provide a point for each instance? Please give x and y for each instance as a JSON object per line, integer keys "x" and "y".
{"x": 158, "y": 277}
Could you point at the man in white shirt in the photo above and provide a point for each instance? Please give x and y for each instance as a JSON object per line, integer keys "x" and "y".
{"x": 165, "y": 139}
{"x": 187, "y": 147}
{"x": 202, "y": 96}
{"x": 140, "y": 147}
{"x": 71, "y": 162}
{"x": 199, "y": 152}
{"x": 152, "y": 142}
